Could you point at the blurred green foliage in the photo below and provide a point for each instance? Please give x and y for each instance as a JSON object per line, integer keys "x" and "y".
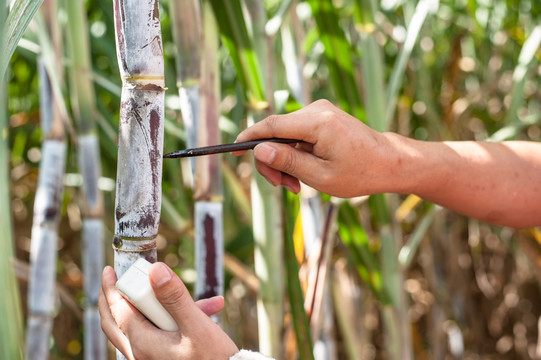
{"x": 457, "y": 85}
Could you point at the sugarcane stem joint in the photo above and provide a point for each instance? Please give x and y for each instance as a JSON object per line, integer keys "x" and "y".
{"x": 117, "y": 241}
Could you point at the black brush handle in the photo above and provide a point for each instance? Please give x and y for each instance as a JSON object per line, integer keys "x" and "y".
{"x": 224, "y": 148}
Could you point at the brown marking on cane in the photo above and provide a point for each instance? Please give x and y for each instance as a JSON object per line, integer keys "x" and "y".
{"x": 51, "y": 212}
{"x": 155, "y": 153}
{"x": 147, "y": 219}
{"x": 147, "y": 247}
{"x": 134, "y": 107}
{"x": 211, "y": 285}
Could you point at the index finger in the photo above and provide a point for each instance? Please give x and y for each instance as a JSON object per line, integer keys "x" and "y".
{"x": 301, "y": 125}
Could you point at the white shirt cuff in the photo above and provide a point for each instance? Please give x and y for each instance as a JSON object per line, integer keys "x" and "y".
{"x": 249, "y": 355}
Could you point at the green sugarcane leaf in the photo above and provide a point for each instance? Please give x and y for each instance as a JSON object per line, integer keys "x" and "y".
{"x": 364, "y": 258}
{"x": 372, "y": 66}
{"x": 11, "y": 329}
{"x": 338, "y": 54}
{"x": 408, "y": 251}
{"x": 525, "y": 59}
{"x": 17, "y": 21}
{"x": 294, "y": 290}
{"x": 237, "y": 40}
{"x": 423, "y": 9}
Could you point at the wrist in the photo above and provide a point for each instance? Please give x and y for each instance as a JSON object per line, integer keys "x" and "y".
{"x": 413, "y": 165}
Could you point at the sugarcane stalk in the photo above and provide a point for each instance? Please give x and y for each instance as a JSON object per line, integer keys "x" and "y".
{"x": 141, "y": 124}
{"x": 186, "y": 21}
{"x": 47, "y": 211}
{"x": 83, "y": 101}
{"x": 394, "y": 313}
{"x": 269, "y": 265}
{"x": 266, "y": 200}
{"x": 11, "y": 330}
{"x": 311, "y": 207}
{"x": 209, "y": 246}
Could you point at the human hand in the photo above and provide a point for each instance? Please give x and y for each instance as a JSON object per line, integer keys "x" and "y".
{"x": 339, "y": 155}
{"x": 130, "y": 332}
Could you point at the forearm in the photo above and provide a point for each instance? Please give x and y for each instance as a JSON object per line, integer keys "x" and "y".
{"x": 495, "y": 182}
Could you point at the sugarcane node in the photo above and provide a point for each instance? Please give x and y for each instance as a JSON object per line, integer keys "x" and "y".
{"x": 117, "y": 241}
{"x": 141, "y": 250}
{"x": 150, "y": 87}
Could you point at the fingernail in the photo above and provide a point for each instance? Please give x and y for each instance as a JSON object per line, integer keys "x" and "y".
{"x": 161, "y": 274}
{"x": 290, "y": 188}
{"x": 265, "y": 153}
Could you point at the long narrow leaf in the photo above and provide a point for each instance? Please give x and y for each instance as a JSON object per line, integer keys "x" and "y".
{"x": 18, "y": 19}
{"x": 424, "y": 7}
{"x": 356, "y": 240}
{"x": 294, "y": 290}
{"x": 338, "y": 55}
{"x": 11, "y": 329}
{"x": 525, "y": 58}
{"x": 235, "y": 37}
{"x": 407, "y": 252}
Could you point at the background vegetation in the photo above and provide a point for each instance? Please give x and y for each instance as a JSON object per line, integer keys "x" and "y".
{"x": 453, "y": 287}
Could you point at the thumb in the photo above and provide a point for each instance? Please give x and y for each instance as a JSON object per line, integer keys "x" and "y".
{"x": 300, "y": 164}
{"x": 174, "y": 296}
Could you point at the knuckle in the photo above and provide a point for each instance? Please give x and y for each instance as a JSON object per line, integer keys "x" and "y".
{"x": 328, "y": 117}
{"x": 326, "y": 120}
{"x": 322, "y": 103}
{"x": 272, "y": 122}
{"x": 325, "y": 179}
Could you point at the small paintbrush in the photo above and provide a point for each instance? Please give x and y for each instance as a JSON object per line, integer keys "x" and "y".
{"x": 224, "y": 148}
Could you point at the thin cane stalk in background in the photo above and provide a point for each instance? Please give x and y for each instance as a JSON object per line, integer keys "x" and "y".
{"x": 88, "y": 153}
{"x": 394, "y": 313}
{"x": 47, "y": 210}
{"x": 311, "y": 215}
{"x": 186, "y": 19}
{"x": 265, "y": 199}
{"x": 342, "y": 72}
{"x": 208, "y": 182}
{"x": 11, "y": 330}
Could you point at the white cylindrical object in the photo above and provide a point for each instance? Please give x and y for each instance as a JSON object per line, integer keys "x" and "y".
{"x": 134, "y": 284}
